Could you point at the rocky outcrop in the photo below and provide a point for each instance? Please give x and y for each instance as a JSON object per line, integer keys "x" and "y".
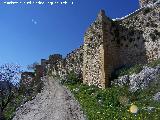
{"x": 141, "y": 80}
{"x": 156, "y": 97}
{"x": 53, "y": 103}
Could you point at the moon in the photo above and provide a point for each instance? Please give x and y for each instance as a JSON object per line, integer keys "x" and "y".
{"x": 34, "y": 21}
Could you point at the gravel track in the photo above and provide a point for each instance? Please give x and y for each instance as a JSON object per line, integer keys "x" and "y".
{"x": 55, "y": 102}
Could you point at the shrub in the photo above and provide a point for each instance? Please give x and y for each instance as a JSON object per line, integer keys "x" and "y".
{"x": 133, "y": 69}
{"x": 128, "y": 70}
{"x": 71, "y": 78}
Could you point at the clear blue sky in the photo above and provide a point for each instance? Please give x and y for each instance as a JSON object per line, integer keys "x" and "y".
{"x": 31, "y": 32}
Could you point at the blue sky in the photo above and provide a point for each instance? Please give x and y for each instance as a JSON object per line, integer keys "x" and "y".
{"x": 31, "y": 32}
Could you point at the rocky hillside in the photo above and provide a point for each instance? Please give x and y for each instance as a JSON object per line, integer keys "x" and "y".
{"x": 53, "y": 103}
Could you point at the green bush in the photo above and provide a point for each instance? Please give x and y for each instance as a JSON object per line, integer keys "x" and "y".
{"x": 11, "y": 108}
{"x": 71, "y": 78}
{"x": 24, "y": 92}
{"x": 129, "y": 70}
{"x": 133, "y": 69}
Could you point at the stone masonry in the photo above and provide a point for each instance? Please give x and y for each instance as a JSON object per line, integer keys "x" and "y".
{"x": 111, "y": 44}
{"x": 146, "y": 2}
{"x": 63, "y": 66}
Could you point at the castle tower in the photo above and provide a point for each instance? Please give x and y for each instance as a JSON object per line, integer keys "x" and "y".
{"x": 96, "y": 69}
{"x": 146, "y": 2}
{"x": 55, "y": 58}
{"x": 101, "y": 51}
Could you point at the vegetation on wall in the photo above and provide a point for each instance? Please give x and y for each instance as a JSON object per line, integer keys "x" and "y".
{"x": 71, "y": 78}
{"x": 129, "y": 70}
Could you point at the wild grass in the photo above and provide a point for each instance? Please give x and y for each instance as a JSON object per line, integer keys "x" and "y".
{"x": 115, "y": 103}
{"x": 118, "y": 103}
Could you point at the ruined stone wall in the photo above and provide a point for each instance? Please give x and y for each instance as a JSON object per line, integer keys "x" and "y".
{"x": 27, "y": 78}
{"x": 109, "y": 44}
{"x": 146, "y": 2}
{"x": 53, "y": 64}
{"x": 39, "y": 71}
{"x": 111, "y": 48}
{"x": 74, "y": 61}
{"x": 93, "y": 67}
{"x": 100, "y": 52}
{"x": 140, "y": 37}
{"x": 62, "y": 66}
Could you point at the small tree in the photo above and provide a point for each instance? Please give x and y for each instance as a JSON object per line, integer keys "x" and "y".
{"x": 32, "y": 66}
{"x": 9, "y": 81}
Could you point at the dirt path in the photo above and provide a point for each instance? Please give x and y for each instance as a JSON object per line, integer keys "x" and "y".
{"x": 53, "y": 103}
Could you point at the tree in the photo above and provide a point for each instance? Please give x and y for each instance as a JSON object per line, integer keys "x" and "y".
{"x": 32, "y": 66}
{"x": 9, "y": 81}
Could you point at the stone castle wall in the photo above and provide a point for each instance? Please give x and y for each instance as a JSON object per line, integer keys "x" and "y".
{"x": 109, "y": 45}
{"x": 93, "y": 67}
{"x": 144, "y": 3}
{"x": 62, "y": 66}
{"x": 143, "y": 35}
{"x": 100, "y": 51}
